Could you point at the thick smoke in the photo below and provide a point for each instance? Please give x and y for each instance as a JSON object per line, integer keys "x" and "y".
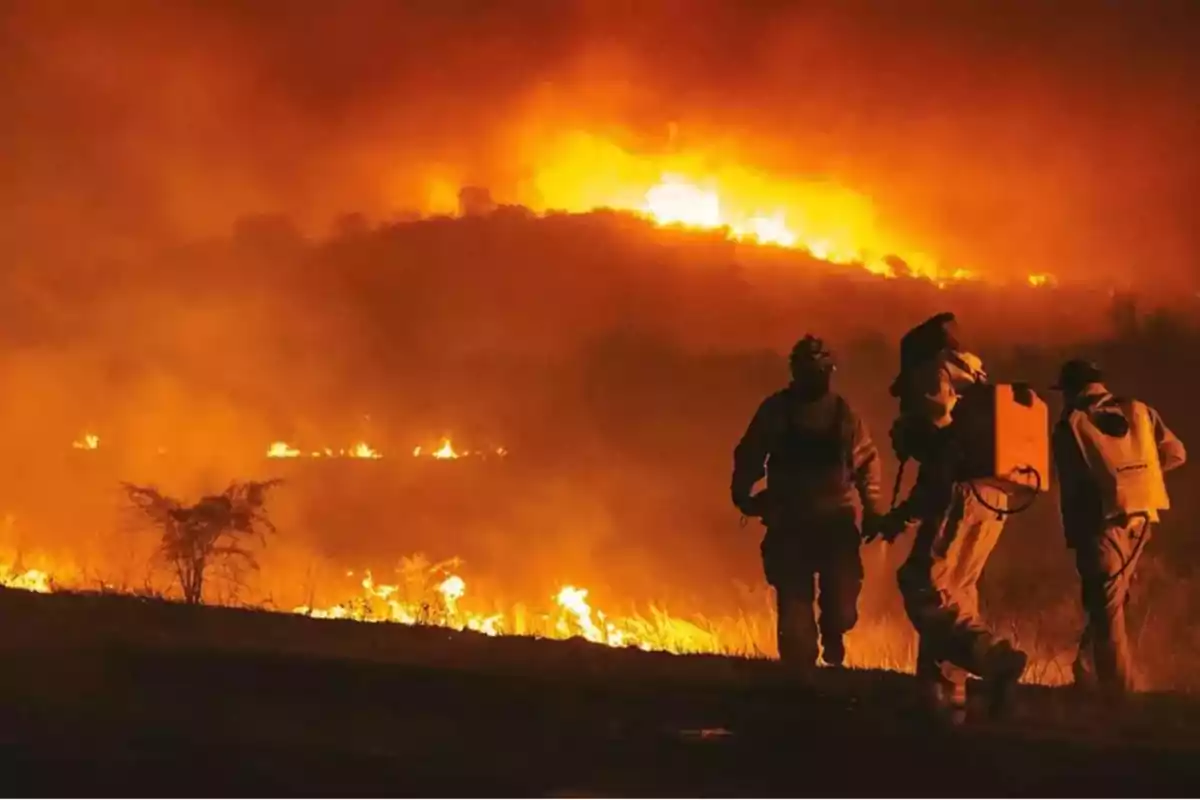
{"x": 1009, "y": 139}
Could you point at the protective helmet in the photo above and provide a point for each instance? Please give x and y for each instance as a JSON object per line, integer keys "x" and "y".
{"x": 925, "y": 340}
{"x": 810, "y": 352}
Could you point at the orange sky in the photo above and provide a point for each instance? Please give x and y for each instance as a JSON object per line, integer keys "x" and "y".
{"x": 1010, "y": 143}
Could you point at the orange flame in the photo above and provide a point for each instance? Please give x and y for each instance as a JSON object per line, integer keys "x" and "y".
{"x": 89, "y": 441}
{"x": 30, "y": 580}
{"x": 706, "y": 189}
{"x": 282, "y": 450}
{"x": 359, "y": 450}
{"x": 434, "y": 595}
{"x": 364, "y": 450}
{"x": 446, "y": 451}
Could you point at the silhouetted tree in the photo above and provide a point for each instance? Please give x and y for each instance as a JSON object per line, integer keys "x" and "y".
{"x": 212, "y": 531}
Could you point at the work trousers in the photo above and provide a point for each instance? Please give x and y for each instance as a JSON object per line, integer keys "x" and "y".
{"x": 1107, "y": 562}
{"x": 939, "y": 583}
{"x": 814, "y": 559}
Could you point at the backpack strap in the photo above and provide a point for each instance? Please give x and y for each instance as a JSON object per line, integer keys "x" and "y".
{"x": 847, "y": 424}
{"x": 1109, "y": 404}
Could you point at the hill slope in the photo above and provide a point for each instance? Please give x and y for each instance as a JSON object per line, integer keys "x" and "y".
{"x": 109, "y": 694}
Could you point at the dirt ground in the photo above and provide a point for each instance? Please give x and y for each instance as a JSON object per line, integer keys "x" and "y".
{"x": 110, "y": 695}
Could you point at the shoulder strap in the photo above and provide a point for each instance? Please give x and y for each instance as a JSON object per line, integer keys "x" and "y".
{"x": 1126, "y": 405}
{"x": 847, "y": 423}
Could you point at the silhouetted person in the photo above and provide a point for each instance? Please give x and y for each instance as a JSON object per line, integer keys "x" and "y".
{"x": 958, "y": 525}
{"x": 815, "y": 453}
{"x": 1110, "y": 454}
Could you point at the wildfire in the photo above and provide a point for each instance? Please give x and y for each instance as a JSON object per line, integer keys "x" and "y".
{"x": 574, "y": 601}
{"x": 676, "y": 200}
{"x": 359, "y": 450}
{"x": 445, "y": 451}
{"x": 706, "y": 188}
{"x": 437, "y": 595}
{"x": 31, "y": 580}
{"x": 364, "y": 450}
{"x": 434, "y": 595}
{"x": 89, "y": 441}
{"x": 580, "y": 172}
{"x": 282, "y": 450}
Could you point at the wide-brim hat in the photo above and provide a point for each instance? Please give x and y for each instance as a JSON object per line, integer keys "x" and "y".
{"x": 1077, "y": 373}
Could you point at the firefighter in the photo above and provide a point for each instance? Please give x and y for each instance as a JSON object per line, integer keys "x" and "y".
{"x": 815, "y": 454}
{"x": 958, "y": 525}
{"x": 1110, "y": 455}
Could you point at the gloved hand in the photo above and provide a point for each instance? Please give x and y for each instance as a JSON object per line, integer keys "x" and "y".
{"x": 872, "y": 523}
{"x": 901, "y": 437}
{"x": 887, "y": 527}
{"x": 755, "y": 506}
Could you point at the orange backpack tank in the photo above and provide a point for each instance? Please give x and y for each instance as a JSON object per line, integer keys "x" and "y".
{"x": 1002, "y": 432}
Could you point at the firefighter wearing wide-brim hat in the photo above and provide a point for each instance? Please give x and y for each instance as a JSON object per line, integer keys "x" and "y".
{"x": 1110, "y": 454}
{"x": 816, "y": 454}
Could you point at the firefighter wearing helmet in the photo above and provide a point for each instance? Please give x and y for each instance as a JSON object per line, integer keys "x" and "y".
{"x": 958, "y": 524}
{"x": 815, "y": 454}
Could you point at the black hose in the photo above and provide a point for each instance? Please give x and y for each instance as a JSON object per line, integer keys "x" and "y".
{"x": 1002, "y": 513}
{"x": 899, "y": 482}
{"x": 1138, "y": 544}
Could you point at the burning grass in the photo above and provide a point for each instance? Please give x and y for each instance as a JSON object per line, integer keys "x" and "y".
{"x": 426, "y": 593}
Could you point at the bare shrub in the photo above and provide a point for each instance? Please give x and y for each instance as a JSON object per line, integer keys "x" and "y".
{"x": 215, "y": 533}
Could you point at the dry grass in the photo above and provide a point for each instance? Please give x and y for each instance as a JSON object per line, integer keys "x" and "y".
{"x": 1166, "y": 650}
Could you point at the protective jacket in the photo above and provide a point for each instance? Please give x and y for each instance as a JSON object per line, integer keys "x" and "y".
{"x": 815, "y": 454}
{"x": 928, "y": 393}
{"x": 959, "y": 528}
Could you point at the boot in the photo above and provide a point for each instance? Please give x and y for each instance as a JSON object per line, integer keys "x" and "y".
{"x": 941, "y": 705}
{"x": 833, "y": 651}
{"x": 1004, "y": 667}
{"x": 1085, "y": 683}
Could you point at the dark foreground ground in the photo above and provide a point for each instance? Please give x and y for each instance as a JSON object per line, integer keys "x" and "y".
{"x": 106, "y": 695}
